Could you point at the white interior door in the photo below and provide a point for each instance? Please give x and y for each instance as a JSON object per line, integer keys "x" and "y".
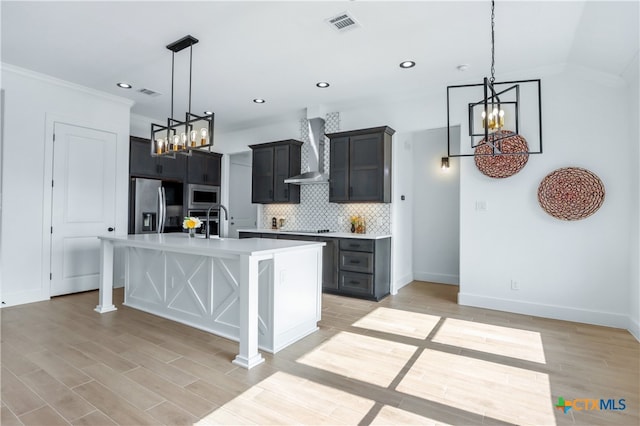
{"x": 242, "y": 213}
{"x": 83, "y": 205}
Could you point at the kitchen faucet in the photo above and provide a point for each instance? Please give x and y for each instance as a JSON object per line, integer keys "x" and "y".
{"x": 214, "y": 206}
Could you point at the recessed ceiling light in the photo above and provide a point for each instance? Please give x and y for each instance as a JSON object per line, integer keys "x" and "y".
{"x": 259, "y": 101}
{"x": 323, "y": 85}
{"x": 462, "y": 67}
{"x": 124, "y": 85}
{"x": 208, "y": 113}
{"x": 407, "y": 64}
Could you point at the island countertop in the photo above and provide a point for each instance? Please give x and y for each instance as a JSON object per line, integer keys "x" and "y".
{"x": 214, "y": 246}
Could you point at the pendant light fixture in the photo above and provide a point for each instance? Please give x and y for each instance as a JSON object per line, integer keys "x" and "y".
{"x": 493, "y": 113}
{"x": 195, "y": 131}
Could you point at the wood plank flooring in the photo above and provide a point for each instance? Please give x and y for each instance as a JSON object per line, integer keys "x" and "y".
{"x": 413, "y": 358}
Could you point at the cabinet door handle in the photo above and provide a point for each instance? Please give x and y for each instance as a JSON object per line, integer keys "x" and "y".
{"x": 350, "y": 191}
{"x": 111, "y": 229}
{"x": 331, "y": 191}
{"x": 353, "y": 282}
{"x": 354, "y": 261}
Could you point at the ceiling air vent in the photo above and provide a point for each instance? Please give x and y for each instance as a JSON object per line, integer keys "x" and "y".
{"x": 343, "y": 22}
{"x": 149, "y": 92}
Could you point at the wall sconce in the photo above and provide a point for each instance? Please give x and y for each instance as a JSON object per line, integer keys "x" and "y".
{"x": 444, "y": 163}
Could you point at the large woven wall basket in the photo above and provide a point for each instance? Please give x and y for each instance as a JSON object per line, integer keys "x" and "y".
{"x": 571, "y": 193}
{"x": 502, "y": 166}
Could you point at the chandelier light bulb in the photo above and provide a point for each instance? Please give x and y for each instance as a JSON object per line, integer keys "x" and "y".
{"x": 194, "y": 138}
{"x": 203, "y": 136}
{"x": 183, "y": 140}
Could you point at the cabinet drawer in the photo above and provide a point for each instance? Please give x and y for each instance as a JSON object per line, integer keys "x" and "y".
{"x": 356, "y": 245}
{"x": 353, "y": 282}
{"x": 356, "y": 261}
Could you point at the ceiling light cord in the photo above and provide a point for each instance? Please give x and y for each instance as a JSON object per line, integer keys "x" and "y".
{"x": 190, "y": 73}
{"x": 493, "y": 49}
{"x": 173, "y": 56}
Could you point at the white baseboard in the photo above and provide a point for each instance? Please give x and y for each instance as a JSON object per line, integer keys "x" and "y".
{"x": 634, "y": 328}
{"x": 546, "y": 311}
{"x": 437, "y": 278}
{"x": 401, "y": 282}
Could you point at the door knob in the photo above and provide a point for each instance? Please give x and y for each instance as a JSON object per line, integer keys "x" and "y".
{"x": 111, "y": 229}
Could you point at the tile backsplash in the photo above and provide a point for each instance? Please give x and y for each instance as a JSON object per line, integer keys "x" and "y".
{"x": 315, "y": 211}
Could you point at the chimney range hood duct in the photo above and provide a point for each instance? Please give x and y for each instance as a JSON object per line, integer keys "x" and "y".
{"x": 315, "y": 173}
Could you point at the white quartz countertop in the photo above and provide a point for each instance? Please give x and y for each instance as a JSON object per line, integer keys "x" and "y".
{"x": 181, "y": 243}
{"x": 284, "y": 232}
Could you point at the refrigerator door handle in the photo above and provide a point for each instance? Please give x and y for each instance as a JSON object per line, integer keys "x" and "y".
{"x": 161, "y": 210}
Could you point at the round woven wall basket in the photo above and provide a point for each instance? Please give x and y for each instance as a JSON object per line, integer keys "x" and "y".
{"x": 502, "y": 166}
{"x": 571, "y": 193}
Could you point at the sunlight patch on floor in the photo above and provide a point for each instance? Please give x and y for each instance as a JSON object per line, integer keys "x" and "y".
{"x": 399, "y": 322}
{"x": 287, "y": 399}
{"x": 486, "y": 388}
{"x": 494, "y": 339}
{"x": 360, "y": 357}
{"x": 395, "y": 416}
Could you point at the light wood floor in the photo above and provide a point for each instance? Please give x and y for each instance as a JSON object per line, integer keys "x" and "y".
{"x": 414, "y": 358}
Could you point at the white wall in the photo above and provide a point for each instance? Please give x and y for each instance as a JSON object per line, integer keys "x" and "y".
{"x": 632, "y": 77}
{"x": 436, "y": 220}
{"x": 402, "y": 211}
{"x": 577, "y": 270}
{"x": 32, "y": 101}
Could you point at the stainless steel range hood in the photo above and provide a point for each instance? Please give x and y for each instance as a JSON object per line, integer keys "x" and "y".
{"x": 315, "y": 173}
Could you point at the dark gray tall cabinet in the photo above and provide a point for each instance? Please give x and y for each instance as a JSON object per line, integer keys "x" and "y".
{"x": 273, "y": 163}
{"x": 360, "y": 165}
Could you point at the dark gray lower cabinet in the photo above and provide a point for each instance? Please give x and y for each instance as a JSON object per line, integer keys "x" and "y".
{"x": 365, "y": 268}
{"x": 350, "y": 267}
{"x": 330, "y": 254}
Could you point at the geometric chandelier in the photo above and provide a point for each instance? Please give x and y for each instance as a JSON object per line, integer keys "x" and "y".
{"x": 496, "y": 114}
{"x": 195, "y": 131}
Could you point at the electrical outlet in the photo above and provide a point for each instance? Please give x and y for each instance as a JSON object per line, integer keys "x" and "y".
{"x": 515, "y": 285}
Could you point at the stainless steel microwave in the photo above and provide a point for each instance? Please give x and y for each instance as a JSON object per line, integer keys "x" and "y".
{"x": 203, "y": 196}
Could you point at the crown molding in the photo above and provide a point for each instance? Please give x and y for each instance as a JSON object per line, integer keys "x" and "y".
{"x": 4, "y": 67}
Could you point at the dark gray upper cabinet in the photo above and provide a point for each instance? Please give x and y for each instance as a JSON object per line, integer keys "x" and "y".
{"x": 360, "y": 168}
{"x": 273, "y": 163}
{"x": 203, "y": 168}
{"x": 142, "y": 164}
{"x": 339, "y": 170}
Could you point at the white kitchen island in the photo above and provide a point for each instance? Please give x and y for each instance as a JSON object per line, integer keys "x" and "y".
{"x": 262, "y": 293}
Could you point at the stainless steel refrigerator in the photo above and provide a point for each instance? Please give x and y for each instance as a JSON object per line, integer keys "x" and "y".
{"x": 155, "y": 206}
